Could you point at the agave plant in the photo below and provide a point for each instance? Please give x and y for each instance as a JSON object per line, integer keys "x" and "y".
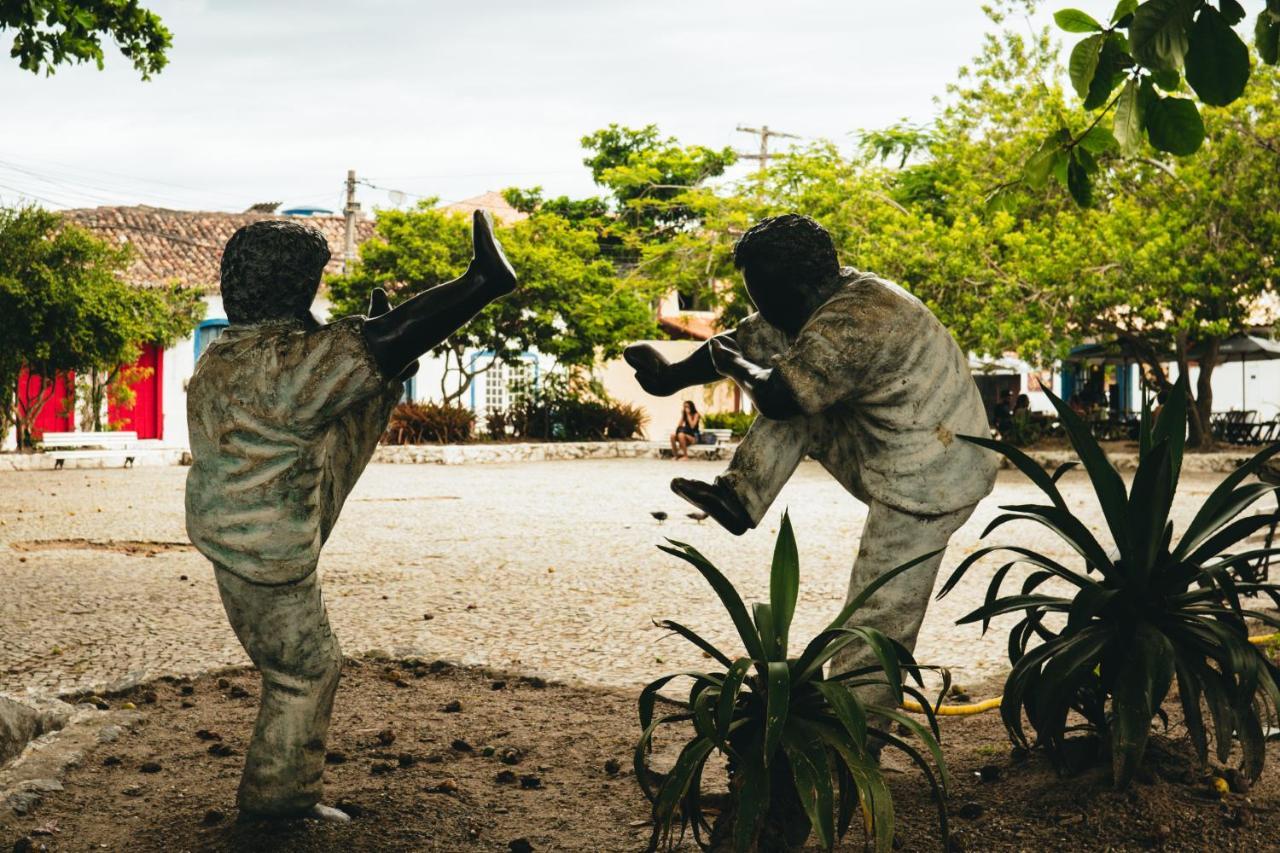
{"x": 1139, "y": 614}
{"x": 796, "y": 741}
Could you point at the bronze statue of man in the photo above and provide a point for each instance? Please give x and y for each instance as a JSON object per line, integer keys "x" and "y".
{"x": 856, "y": 372}
{"x": 284, "y": 414}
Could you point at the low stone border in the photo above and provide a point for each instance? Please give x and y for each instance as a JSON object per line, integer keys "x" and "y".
{"x": 1222, "y": 462}
{"x": 44, "y": 462}
{"x": 470, "y": 454}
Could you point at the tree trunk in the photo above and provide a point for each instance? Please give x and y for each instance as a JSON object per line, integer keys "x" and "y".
{"x": 1200, "y": 405}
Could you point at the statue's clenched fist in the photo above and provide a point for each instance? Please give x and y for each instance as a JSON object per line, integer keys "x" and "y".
{"x": 653, "y": 371}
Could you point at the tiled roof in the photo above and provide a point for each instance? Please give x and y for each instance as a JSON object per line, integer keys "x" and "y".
{"x": 186, "y": 245}
{"x": 493, "y": 202}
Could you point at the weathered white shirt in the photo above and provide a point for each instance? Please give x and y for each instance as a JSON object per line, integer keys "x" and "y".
{"x": 283, "y": 417}
{"x": 896, "y": 389}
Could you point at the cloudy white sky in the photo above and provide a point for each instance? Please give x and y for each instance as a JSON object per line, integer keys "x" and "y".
{"x": 276, "y": 100}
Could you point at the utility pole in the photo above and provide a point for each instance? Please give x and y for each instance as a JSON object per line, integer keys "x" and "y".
{"x": 349, "y": 213}
{"x": 764, "y": 133}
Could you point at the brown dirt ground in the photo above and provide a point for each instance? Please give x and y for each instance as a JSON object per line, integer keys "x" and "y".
{"x": 417, "y": 777}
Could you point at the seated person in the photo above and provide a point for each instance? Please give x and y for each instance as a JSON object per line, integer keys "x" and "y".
{"x": 687, "y": 431}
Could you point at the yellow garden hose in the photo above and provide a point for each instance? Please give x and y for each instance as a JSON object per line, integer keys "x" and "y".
{"x": 991, "y": 704}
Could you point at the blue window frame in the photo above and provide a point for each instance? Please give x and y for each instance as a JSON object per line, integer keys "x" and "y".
{"x": 208, "y": 332}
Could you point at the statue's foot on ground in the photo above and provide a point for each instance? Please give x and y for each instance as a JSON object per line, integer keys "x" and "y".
{"x": 328, "y": 814}
{"x": 490, "y": 263}
{"x": 717, "y": 501}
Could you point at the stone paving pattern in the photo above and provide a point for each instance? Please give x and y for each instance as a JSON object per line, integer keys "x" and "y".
{"x": 548, "y": 568}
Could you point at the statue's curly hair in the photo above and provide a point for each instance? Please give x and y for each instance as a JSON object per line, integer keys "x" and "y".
{"x": 790, "y": 247}
{"x": 271, "y": 271}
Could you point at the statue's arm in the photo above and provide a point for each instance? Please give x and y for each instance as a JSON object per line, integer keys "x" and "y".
{"x": 402, "y": 335}
{"x": 771, "y": 396}
{"x": 663, "y": 378}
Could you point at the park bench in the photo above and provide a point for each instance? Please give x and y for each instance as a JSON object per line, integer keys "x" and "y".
{"x": 61, "y": 446}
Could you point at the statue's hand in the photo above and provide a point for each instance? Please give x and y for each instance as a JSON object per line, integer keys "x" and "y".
{"x": 726, "y": 356}
{"x": 651, "y": 369}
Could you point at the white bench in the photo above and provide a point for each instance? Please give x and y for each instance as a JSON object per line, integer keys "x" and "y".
{"x": 61, "y": 446}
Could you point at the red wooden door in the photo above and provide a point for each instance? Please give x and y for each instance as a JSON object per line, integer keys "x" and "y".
{"x": 146, "y": 416}
{"x": 58, "y": 414}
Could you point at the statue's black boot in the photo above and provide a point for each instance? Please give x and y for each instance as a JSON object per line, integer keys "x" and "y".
{"x": 717, "y": 501}
{"x": 489, "y": 270}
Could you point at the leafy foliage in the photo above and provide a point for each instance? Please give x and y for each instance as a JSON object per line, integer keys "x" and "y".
{"x": 1154, "y": 51}
{"x": 1139, "y": 615}
{"x": 569, "y": 304}
{"x": 429, "y": 423}
{"x": 64, "y": 308}
{"x": 50, "y": 33}
{"x": 568, "y": 409}
{"x": 787, "y": 730}
{"x": 739, "y": 422}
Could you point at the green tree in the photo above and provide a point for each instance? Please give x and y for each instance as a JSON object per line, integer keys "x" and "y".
{"x": 64, "y": 308}
{"x": 1150, "y": 63}
{"x": 569, "y": 305}
{"x": 50, "y": 33}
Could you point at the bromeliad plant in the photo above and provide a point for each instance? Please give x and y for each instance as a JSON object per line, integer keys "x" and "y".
{"x": 797, "y": 741}
{"x": 1140, "y": 614}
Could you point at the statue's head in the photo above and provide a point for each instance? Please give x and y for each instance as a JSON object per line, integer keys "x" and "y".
{"x": 271, "y": 271}
{"x": 789, "y": 265}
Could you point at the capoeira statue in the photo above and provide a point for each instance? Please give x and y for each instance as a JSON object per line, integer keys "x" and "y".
{"x": 284, "y": 414}
{"x": 857, "y": 373}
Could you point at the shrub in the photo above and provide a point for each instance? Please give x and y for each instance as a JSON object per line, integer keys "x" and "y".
{"x": 739, "y": 422}
{"x": 786, "y": 729}
{"x": 423, "y": 423}
{"x": 573, "y": 411}
{"x": 1138, "y": 616}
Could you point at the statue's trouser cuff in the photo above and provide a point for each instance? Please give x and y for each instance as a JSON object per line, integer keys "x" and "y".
{"x": 285, "y": 631}
{"x": 891, "y": 537}
{"x": 768, "y": 455}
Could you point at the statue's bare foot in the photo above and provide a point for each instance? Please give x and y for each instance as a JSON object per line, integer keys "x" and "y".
{"x": 717, "y": 501}
{"x": 328, "y": 814}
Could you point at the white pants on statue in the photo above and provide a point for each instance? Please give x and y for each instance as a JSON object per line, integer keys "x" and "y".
{"x": 285, "y": 630}
{"x": 761, "y": 466}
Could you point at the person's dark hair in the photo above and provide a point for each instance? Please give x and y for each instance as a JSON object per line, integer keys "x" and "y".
{"x": 690, "y": 407}
{"x": 271, "y": 270}
{"x": 1023, "y": 402}
{"x": 790, "y": 247}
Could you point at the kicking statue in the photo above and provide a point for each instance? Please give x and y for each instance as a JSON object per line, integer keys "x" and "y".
{"x": 854, "y": 371}
{"x": 284, "y": 415}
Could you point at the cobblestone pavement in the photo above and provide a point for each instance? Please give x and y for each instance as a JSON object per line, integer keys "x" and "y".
{"x": 547, "y": 568}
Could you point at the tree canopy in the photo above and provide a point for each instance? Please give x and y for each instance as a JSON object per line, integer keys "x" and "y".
{"x": 65, "y": 308}
{"x": 51, "y": 33}
{"x": 569, "y": 304}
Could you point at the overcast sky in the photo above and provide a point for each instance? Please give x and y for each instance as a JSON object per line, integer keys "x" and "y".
{"x": 274, "y": 101}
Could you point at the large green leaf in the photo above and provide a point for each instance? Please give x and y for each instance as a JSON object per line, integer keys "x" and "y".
{"x": 1267, "y": 37}
{"x": 1106, "y": 481}
{"x": 762, "y": 614}
{"x": 693, "y": 637}
{"x": 1078, "y": 182}
{"x": 752, "y": 801}
{"x": 777, "y": 706}
{"x": 1160, "y": 32}
{"x": 1124, "y": 9}
{"x": 1172, "y": 428}
{"x": 1128, "y": 120}
{"x": 728, "y": 595}
{"x": 1223, "y": 503}
{"x": 673, "y": 790}
{"x": 1075, "y": 21}
{"x": 812, "y": 773}
{"x": 1141, "y": 682}
{"x": 784, "y": 582}
{"x": 1217, "y": 60}
{"x": 848, "y": 710}
{"x": 1084, "y": 62}
{"x": 1024, "y": 463}
{"x": 1149, "y": 503}
{"x": 729, "y": 695}
{"x": 1174, "y": 125}
{"x": 1232, "y": 12}
{"x": 1113, "y": 64}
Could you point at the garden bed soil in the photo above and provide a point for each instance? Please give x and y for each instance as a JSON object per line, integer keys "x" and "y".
{"x": 520, "y": 765}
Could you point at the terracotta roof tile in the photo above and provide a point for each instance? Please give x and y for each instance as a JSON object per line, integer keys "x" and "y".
{"x": 186, "y": 245}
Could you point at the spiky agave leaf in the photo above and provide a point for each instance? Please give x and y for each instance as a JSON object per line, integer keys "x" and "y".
{"x": 781, "y": 722}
